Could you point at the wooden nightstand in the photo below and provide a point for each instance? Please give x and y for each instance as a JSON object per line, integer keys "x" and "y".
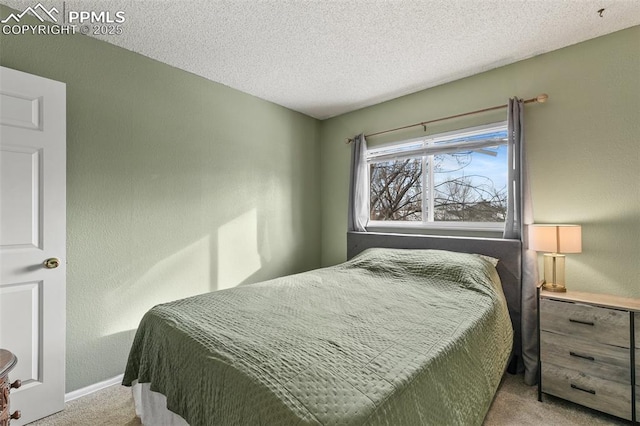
{"x": 587, "y": 351}
{"x": 7, "y": 362}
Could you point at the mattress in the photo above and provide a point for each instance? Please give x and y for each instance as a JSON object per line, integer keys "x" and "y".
{"x": 391, "y": 337}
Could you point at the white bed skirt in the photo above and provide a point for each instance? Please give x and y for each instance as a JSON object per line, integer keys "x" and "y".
{"x": 151, "y": 407}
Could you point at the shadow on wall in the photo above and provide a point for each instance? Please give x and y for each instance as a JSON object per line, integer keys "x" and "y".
{"x": 107, "y": 344}
{"x": 234, "y": 253}
{"x": 232, "y": 257}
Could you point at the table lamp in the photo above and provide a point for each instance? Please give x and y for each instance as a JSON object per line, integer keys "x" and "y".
{"x": 555, "y": 239}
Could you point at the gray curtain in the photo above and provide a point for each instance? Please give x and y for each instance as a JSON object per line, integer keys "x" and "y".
{"x": 519, "y": 215}
{"x": 358, "y": 215}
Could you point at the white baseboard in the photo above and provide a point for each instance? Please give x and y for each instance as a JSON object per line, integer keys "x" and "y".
{"x": 93, "y": 388}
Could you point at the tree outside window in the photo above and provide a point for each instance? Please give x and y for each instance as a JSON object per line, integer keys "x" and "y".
{"x": 469, "y": 185}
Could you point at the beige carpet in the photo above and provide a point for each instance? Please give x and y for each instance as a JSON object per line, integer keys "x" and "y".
{"x": 515, "y": 404}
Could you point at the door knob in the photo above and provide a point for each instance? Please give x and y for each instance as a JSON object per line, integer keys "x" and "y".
{"x": 52, "y": 263}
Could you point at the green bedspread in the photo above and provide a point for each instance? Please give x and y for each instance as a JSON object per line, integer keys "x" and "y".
{"x": 392, "y": 337}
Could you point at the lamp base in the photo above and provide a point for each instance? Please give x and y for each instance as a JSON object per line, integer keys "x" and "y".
{"x": 557, "y": 288}
{"x": 554, "y": 272}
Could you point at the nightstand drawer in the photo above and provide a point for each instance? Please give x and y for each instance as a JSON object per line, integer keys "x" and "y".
{"x": 593, "y": 323}
{"x": 593, "y": 359}
{"x": 604, "y": 395}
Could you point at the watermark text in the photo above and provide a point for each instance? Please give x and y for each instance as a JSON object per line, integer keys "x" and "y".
{"x": 91, "y": 22}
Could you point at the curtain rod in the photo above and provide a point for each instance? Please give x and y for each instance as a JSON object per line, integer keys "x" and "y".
{"x": 542, "y": 98}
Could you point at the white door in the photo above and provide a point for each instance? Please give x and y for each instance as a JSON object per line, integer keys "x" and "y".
{"x": 32, "y": 230}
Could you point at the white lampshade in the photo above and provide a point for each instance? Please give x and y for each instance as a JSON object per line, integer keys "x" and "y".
{"x": 556, "y": 238}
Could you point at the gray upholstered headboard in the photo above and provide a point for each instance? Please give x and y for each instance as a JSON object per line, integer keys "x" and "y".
{"x": 508, "y": 251}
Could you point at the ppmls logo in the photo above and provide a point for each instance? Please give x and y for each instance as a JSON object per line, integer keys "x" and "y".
{"x": 44, "y": 13}
{"x": 71, "y": 21}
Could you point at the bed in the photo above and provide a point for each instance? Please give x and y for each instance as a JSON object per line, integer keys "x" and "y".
{"x": 390, "y": 337}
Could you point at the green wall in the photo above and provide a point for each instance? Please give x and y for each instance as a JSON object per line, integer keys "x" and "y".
{"x": 172, "y": 179}
{"x": 583, "y": 145}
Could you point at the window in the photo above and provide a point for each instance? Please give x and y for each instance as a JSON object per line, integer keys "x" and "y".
{"x": 455, "y": 179}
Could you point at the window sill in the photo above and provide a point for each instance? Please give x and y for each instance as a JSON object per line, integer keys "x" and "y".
{"x": 484, "y": 230}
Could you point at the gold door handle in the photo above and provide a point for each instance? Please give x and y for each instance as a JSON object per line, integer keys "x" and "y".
{"x": 52, "y": 263}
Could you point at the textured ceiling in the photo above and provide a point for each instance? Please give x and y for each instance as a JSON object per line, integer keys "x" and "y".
{"x": 324, "y": 58}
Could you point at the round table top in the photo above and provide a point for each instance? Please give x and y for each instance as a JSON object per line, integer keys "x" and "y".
{"x": 7, "y": 362}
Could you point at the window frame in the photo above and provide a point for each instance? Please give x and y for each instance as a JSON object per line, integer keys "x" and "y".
{"x": 427, "y": 222}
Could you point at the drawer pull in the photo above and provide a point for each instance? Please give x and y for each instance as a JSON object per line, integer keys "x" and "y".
{"x": 592, "y": 392}
{"x": 590, "y": 358}
{"x": 581, "y": 322}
